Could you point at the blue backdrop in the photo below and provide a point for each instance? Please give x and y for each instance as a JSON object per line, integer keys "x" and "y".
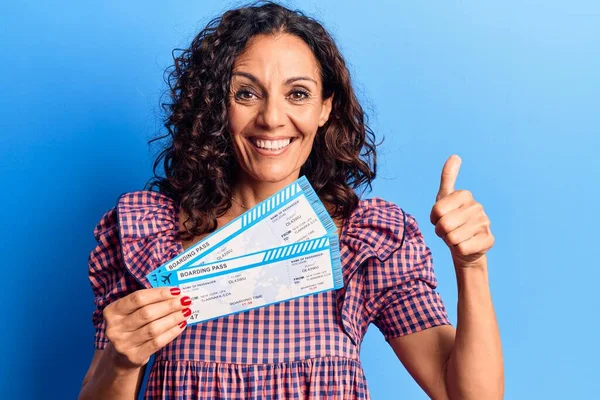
{"x": 511, "y": 87}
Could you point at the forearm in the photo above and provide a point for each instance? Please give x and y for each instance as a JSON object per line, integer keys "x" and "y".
{"x": 111, "y": 382}
{"x": 475, "y": 368}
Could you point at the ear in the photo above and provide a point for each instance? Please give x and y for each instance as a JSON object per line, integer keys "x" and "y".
{"x": 325, "y": 110}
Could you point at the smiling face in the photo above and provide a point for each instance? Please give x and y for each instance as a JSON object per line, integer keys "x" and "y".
{"x": 275, "y": 107}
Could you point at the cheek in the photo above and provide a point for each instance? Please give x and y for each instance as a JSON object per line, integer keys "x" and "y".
{"x": 306, "y": 121}
{"x": 237, "y": 118}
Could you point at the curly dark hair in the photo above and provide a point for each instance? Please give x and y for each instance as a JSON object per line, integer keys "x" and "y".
{"x": 198, "y": 159}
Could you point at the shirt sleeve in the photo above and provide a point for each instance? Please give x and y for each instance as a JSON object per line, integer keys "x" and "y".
{"x": 401, "y": 295}
{"x": 108, "y": 276}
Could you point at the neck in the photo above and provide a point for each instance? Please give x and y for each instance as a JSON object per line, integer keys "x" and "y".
{"x": 250, "y": 192}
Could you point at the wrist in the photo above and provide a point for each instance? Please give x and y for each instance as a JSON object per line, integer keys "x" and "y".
{"x": 462, "y": 265}
{"x": 472, "y": 280}
{"x": 120, "y": 367}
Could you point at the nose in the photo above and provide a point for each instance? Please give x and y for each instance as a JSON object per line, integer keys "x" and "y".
{"x": 271, "y": 114}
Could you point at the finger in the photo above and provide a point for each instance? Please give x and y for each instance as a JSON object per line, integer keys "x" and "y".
{"x": 153, "y": 345}
{"x": 451, "y": 221}
{"x": 464, "y": 232}
{"x": 449, "y": 175}
{"x": 455, "y": 200}
{"x": 479, "y": 243}
{"x": 156, "y": 328}
{"x": 153, "y": 312}
{"x": 143, "y": 297}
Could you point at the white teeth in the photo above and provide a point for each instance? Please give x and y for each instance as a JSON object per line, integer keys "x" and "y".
{"x": 271, "y": 144}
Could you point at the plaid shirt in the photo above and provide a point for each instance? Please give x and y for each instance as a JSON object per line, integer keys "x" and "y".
{"x": 303, "y": 348}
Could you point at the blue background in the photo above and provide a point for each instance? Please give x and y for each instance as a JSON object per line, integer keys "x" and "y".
{"x": 512, "y": 88}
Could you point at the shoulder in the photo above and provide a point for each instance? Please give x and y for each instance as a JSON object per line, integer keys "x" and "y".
{"x": 378, "y": 260}
{"x": 131, "y": 207}
{"x": 141, "y": 230}
{"x": 142, "y": 213}
{"x": 379, "y": 227}
{"x": 143, "y": 201}
{"x": 143, "y": 198}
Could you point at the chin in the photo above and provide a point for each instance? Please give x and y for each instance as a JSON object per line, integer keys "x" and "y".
{"x": 274, "y": 175}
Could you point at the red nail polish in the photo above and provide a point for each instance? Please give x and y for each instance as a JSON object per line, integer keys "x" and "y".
{"x": 186, "y": 312}
{"x": 175, "y": 291}
{"x": 186, "y": 301}
{"x": 182, "y": 324}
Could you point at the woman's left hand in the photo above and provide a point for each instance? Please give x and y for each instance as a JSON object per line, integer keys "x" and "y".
{"x": 461, "y": 221}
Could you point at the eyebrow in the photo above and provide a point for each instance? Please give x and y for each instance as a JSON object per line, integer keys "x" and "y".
{"x": 287, "y": 81}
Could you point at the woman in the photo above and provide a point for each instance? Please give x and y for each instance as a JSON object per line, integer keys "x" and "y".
{"x": 261, "y": 97}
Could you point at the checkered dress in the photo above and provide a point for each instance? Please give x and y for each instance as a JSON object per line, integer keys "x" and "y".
{"x": 299, "y": 349}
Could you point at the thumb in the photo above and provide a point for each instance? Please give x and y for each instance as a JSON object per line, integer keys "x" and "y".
{"x": 449, "y": 175}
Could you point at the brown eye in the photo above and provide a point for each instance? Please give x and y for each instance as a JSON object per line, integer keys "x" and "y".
{"x": 245, "y": 95}
{"x": 299, "y": 95}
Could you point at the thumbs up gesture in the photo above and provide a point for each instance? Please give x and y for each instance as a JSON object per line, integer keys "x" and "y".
{"x": 461, "y": 221}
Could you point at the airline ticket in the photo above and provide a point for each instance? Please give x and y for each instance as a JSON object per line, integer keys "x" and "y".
{"x": 262, "y": 278}
{"x": 293, "y": 214}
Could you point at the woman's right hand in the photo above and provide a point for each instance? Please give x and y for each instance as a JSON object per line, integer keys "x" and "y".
{"x": 143, "y": 322}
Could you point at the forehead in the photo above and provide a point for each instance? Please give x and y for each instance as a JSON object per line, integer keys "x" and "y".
{"x": 281, "y": 55}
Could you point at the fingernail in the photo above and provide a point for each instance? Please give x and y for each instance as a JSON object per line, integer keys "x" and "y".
{"x": 182, "y": 324}
{"x": 186, "y": 301}
{"x": 186, "y": 312}
{"x": 175, "y": 291}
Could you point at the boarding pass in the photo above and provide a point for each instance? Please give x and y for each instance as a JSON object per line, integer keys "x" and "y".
{"x": 293, "y": 214}
{"x": 262, "y": 278}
